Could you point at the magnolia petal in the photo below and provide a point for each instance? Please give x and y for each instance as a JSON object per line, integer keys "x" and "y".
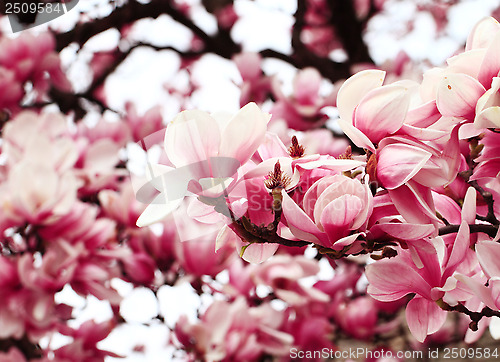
{"x": 469, "y": 206}
{"x": 414, "y": 202}
{"x": 192, "y": 136}
{"x": 478, "y": 289}
{"x": 423, "y": 134}
{"x": 423, "y": 116}
{"x": 382, "y": 111}
{"x": 488, "y": 169}
{"x": 258, "y": 253}
{"x": 480, "y": 36}
{"x": 424, "y": 317}
{"x": 157, "y": 210}
{"x": 355, "y": 135}
{"x": 339, "y": 214}
{"x": 488, "y": 254}
{"x": 392, "y": 279}
{"x": 348, "y": 240}
{"x": 398, "y": 163}
{"x": 489, "y": 118}
{"x": 306, "y": 86}
{"x": 460, "y": 246}
{"x": 244, "y": 133}
{"x": 491, "y": 62}
{"x": 467, "y": 63}
{"x": 457, "y": 95}
{"x": 298, "y": 222}
{"x": 491, "y": 97}
{"x": 407, "y": 231}
{"x": 354, "y": 89}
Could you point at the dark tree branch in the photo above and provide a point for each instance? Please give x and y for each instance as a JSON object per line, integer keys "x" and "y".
{"x": 474, "y": 316}
{"x": 350, "y": 30}
{"x": 491, "y": 230}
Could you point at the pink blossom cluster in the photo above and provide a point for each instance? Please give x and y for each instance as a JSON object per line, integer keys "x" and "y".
{"x": 419, "y": 195}
{"x": 29, "y": 62}
{"x": 68, "y": 220}
{"x": 302, "y": 237}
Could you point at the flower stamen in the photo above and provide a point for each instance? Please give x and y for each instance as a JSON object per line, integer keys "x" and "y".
{"x": 277, "y": 179}
{"x": 296, "y": 150}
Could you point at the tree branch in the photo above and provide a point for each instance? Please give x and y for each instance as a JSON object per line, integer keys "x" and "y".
{"x": 474, "y": 316}
{"x": 491, "y": 230}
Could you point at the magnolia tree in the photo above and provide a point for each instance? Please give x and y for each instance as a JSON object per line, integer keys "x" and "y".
{"x": 359, "y": 207}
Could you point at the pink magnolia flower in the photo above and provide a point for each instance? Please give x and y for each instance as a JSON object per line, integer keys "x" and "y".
{"x": 31, "y": 58}
{"x": 121, "y": 205}
{"x": 143, "y": 125}
{"x": 256, "y": 85}
{"x": 332, "y": 208}
{"x": 235, "y": 332}
{"x": 370, "y": 111}
{"x": 198, "y": 256}
{"x": 84, "y": 346}
{"x": 487, "y": 252}
{"x": 282, "y": 273}
{"x": 358, "y": 317}
{"x": 36, "y": 193}
{"x": 11, "y": 91}
{"x": 311, "y": 333}
{"x": 42, "y": 137}
{"x": 302, "y": 109}
{"x": 428, "y": 274}
{"x": 488, "y": 167}
{"x": 195, "y": 140}
{"x": 408, "y": 169}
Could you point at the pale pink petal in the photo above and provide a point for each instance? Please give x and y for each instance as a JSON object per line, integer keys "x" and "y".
{"x": 467, "y": 63}
{"x": 460, "y": 247}
{"x": 480, "y": 36}
{"x": 348, "y": 240}
{"x": 423, "y": 116}
{"x": 457, "y": 95}
{"x": 424, "y": 317}
{"x": 306, "y": 85}
{"x": 423, "y": 134}
{"x": 354, "y": 89}
{"x": 355, "y": 135}
{"x": 488, "y": 254}
{"x": 257, "y": 253}
{"x": 392, "y": 279}
{"x": 337, "y": 217}
{"x": 382, "y": 111}
{"x": 248, "y": 65}
{"x": 489, "y": 118}
{"x": 490, "y": 98}
{"x": 407, "y": 231}
{"x": 452, "y": 155}
{"x": 478, "y": 289}
{"x": 192, "y": 136}
{"x": 398, "y": 163}
{"x": 244, "y": 133}
{"x": 414, "y": 202}
{"x": 299, "y": 223}
{"x": 487, "y": 169}
{"x": 157, "y": 210}
{"x": 469, "y": 206}
{"x": 491, "y": 62}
